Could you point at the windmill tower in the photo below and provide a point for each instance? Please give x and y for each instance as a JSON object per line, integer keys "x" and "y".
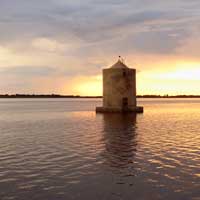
{"x": 119, "y": 89}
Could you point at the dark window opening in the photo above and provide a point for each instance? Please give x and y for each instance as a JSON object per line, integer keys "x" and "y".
{"x": 124, "y": 73}
{"x": 125, "y": 103}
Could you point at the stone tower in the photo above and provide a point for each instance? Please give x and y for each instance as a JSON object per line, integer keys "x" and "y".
{"x": 119, "y": 89}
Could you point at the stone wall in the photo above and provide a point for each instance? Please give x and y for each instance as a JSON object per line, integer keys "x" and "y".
{"x": 118, "y": 84}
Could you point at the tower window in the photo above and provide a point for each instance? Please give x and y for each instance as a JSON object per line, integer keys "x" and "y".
{"x": 124, "y": 103}
{"x": 124, "y": 73}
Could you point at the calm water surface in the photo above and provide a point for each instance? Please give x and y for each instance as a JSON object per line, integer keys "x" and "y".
{"x": 59, "y": 149}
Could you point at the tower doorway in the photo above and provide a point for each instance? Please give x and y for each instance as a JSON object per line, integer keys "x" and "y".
{"x": 125, "y": 103}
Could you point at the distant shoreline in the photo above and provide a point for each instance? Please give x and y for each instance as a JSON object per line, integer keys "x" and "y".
{"x": 77, "y": 96}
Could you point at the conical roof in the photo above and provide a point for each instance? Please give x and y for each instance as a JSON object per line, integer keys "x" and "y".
{"x": 118, "y": 65}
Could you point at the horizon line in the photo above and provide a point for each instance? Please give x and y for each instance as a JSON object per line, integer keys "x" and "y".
{"x": 94, "y": 96}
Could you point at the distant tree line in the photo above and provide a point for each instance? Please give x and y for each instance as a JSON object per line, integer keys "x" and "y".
{"x": 44, "y": 96}
{"x": 78, "y": 96}
{"x": 168, "y": 96}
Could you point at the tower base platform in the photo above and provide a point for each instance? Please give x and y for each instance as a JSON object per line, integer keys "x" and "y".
{"x": 137, "y": 109}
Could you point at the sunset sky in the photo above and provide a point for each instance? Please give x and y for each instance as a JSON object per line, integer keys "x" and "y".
{"x": 61, "y": 46}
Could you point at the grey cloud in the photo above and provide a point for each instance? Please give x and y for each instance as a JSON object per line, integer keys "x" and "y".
{"x": 95, "y": 29}
{"x": 27, "y": 71}
{"x": 97, "y": 21}
{"x": 61, "y": 71}
{"x": 158, "y": 42}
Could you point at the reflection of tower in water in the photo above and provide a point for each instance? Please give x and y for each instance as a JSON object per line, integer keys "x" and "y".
{"x": 120, "y": 140}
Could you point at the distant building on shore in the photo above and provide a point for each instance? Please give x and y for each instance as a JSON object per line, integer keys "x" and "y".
{"x": 119, "y": 89}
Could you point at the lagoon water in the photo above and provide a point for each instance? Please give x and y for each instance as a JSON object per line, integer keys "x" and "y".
{"x": 59, "y": 149}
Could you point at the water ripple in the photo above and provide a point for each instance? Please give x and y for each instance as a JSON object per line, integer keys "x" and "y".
{"x": 63, "y": 150}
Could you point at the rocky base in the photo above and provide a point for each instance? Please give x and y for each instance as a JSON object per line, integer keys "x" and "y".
{"x": 137, "y": 109}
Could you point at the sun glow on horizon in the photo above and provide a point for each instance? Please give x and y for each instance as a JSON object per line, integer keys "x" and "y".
{"x": 181, "y": 71}
{"x": 182, "y": 79}
{"x": 88, "y": 86}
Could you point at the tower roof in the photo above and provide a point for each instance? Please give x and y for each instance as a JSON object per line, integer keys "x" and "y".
{"x": 119, "y": 64}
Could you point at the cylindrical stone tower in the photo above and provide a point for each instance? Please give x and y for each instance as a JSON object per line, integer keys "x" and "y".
{"x": 119, "y": 89}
